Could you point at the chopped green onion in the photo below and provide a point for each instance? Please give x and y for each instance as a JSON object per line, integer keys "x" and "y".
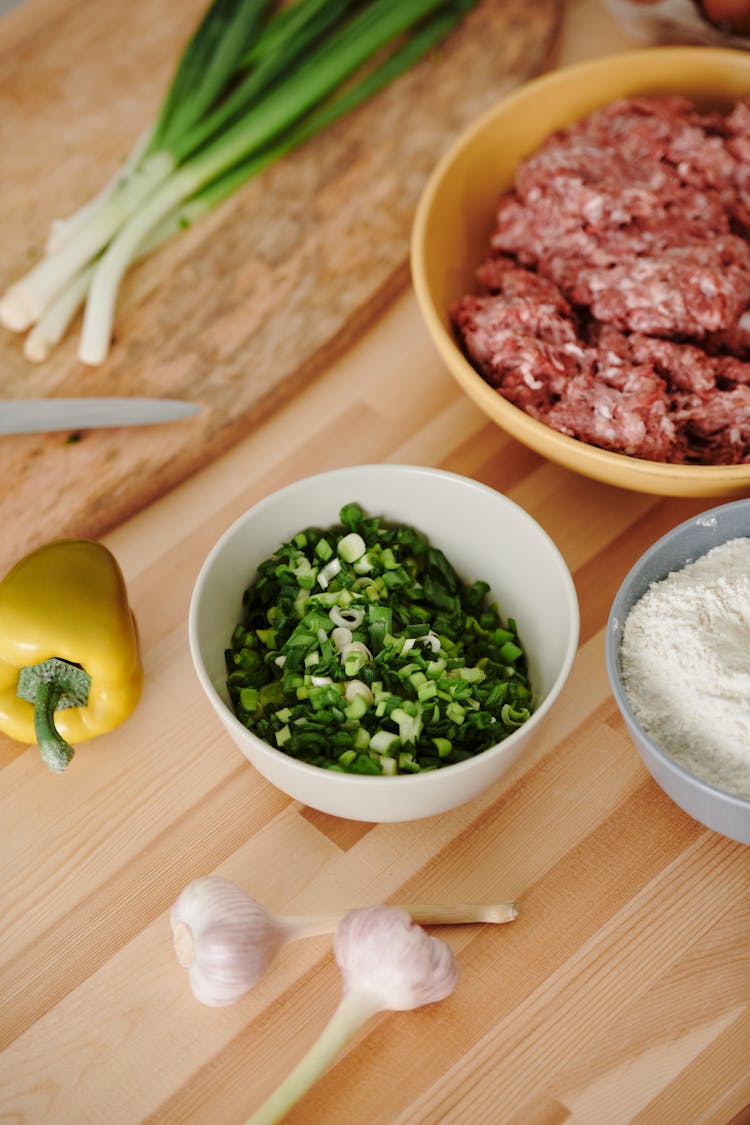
{"x": 357, "y": 708}
{"x": 384, "y": 742}
{"x": 387, "y": 692}
{"x": 510, "y": 652}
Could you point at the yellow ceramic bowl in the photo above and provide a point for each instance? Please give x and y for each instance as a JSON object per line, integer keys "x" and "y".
{"x": 456, "y": 212}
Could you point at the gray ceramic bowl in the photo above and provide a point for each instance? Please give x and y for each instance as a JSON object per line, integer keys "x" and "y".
{"x": 721, "y": 811}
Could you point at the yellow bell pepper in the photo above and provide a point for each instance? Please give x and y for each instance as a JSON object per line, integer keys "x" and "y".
{"x": 70, "y": 665}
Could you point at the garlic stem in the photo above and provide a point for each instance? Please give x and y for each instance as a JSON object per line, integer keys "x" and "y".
{"x": 459, "y": 913}
{"x": 425, "y": 914}
{"x": 353, "y": 1011}
{"x": 387, "y": 963}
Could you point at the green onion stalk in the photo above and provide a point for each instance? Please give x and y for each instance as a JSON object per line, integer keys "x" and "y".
{"x": 254, "y": 82}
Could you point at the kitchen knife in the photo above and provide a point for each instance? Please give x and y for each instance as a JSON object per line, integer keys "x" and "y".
{"x": 33, "y": 415}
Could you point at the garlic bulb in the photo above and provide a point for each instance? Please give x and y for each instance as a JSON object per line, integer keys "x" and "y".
{"x": 382, "y": 951}
{"x": 387, "y": 963}
{"x": 224, "y": 939}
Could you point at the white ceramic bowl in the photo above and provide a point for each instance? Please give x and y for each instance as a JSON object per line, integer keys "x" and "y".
{"x": 483, "y": 533}
{"x": 724, "y": 812}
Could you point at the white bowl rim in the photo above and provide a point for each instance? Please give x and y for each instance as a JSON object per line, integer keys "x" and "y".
{"x": 614, "y": 621}
{"x": 359, "y": 781}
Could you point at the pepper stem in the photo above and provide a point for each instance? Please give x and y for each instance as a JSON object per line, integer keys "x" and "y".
{"x": 53, "y": 686}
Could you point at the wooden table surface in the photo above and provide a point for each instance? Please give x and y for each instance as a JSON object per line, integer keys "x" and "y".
{"x": 620, "y": 994}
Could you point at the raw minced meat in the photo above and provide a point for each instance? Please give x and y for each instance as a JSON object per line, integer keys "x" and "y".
{"x": 614, "y": 303}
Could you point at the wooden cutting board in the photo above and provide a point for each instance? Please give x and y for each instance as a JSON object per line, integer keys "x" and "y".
{"x": 247, "y": 306}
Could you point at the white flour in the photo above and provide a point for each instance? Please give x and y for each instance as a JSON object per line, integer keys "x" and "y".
{"x": 686, "y": 665}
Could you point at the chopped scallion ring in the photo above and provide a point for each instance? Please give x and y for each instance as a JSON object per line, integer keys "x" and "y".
{"x": 350, "y": 618}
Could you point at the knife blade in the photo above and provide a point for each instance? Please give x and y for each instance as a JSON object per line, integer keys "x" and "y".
{"x": 36, "y": 415}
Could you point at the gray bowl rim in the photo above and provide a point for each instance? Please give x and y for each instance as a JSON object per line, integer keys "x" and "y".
{"x": 621, "y": 606}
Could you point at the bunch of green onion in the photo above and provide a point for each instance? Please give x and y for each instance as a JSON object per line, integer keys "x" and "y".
{"x": 255, "y": 81}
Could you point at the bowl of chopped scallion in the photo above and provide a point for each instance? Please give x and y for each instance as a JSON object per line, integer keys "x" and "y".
{"x": 382, "y": 642}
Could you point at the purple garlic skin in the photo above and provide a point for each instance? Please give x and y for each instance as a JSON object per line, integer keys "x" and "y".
{"x": 380, "y": 948}
{"x": 225, "y": 939}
